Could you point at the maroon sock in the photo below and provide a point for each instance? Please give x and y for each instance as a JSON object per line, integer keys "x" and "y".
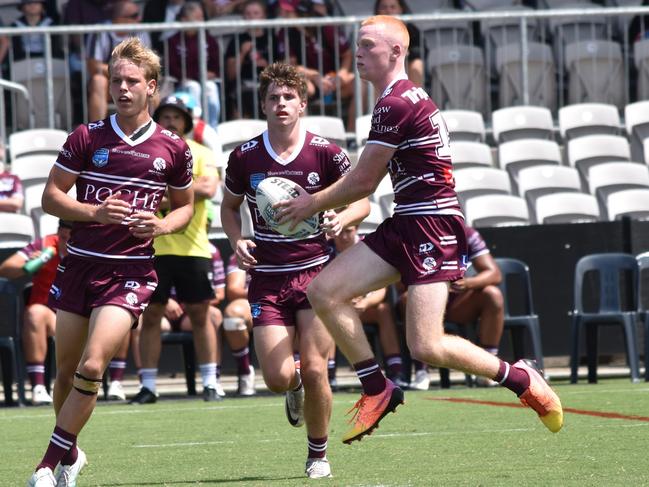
{"x": 60, "y": 443}
{"x": 393, "y": 365}
{"x": 317, "y": 447}
{"x": 243, "y": 360}
{"x": 71, "y": 456}
{"x": 116, "y": 369}
{"x": 516, "y": 380}
{"x": 36, "y": 372}
{"x": 371, "y": 377}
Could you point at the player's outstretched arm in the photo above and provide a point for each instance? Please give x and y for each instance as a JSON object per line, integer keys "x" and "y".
{"x": 358, "y": 184}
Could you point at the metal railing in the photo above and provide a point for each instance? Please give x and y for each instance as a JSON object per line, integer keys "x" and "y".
{"x": 545, "y": 24}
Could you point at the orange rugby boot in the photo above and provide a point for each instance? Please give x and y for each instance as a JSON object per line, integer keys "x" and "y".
{"x": 541, "y": 398}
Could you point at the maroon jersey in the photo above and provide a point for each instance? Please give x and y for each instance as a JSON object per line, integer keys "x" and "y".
{"x": 475, "y": 242}
{"x": 10, "y": 186}
{"x": 106, "y": 161}
{"x": 315, "y": 164}
{"x": 406, "y": 119}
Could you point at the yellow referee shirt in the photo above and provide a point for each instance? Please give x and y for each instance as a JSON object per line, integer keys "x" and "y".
{"x": 192, "y": 241}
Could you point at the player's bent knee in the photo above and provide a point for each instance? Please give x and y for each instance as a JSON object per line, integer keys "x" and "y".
{"x": 494, "y": 297}
{"x": 85, "y": 385}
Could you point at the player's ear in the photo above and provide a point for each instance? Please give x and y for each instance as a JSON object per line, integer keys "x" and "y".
{"x": 151, "y": 87}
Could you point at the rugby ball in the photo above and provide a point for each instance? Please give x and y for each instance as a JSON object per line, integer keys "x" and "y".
{"x": 273, "y": 190}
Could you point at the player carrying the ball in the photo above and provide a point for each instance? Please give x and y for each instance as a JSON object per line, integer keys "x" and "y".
{"x": 423, "y": 244}
{"x": 281, "y": 267}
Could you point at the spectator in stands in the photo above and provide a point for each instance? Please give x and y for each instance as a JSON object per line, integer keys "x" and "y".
{"x": 242, "y": 67}
{"x": 639, "y": 26}
{"x": 324, "y": 72}
{"x": 475, "y": 299}
{"x": 183, "y": 260}
{"x": 218, "y": 8}
{"x": 99, "y": 47}
{"x": 201, "y": 132}
{"x": 415, "y": 61}
{"x": 321, "y": 7}
{"x": 184, "y": 62}
{"x": 11, "y": 191}
{"x": 33, "y": 45}
{"x": 237, "y": 324}
{"x": 40, "y": 260}
{"x": 158, "y": 11}
{"x": 372, "y": 308}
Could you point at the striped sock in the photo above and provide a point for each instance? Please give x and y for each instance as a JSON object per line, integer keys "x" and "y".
{"x": 371, "y": 377}
{"x": 60, "y": 444}
{"x": 116, "y": 369}
{"x": 331, "y": 369}
{"x": 516, "y": 380}
{"x": 317, "y": 447}
{"x": 36, "y": 372}
{"x": 393, "y": 364}
{"x": 243, "y": 360}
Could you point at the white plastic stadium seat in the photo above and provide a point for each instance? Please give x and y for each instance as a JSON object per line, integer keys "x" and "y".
{"x": 630, "y": 202}
{"x": 469, "y": 154}
{"x": 496, "y": 210}
{"x": 567, "y": 208}
{"x": 45, "y": 224}
{"x": 236, "y": 132}
{"x": 440, "y": 33}
{"x": 584, "y": 152}
{"x": 519, "y": 154}
{"x": 331, "y": 128}
{"x": 458, "y": 78}
{"x": 636, "y": 119}
{"x": 475, "y": 181}
{"x": 36, "y": 141}
{"x": 541, "y": 75}
{"x": 610, "y": 177}
{"x": 465, "y": 125}
{"x": 537, "y": 180}
{"x": 34, "y": 168}
{"x": 33, "y": 196}
{"x": 16, "y": 230}
{"x": 595, "y": 72}
{"x": 588, "y": 119}
{"x": 522, "y": 122}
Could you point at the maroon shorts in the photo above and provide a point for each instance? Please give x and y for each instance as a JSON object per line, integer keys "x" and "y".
{"x": 423, "y": 248}
{"x": 82, "y": 284}
{"x": 275, "y": 298}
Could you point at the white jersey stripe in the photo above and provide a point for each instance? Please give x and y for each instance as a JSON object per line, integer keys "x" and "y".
{"x": 291, "y": 267}
{"x": 87, "y": 253}
{"x": 121, "y": 178}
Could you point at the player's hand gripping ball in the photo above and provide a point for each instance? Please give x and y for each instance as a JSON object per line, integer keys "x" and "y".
{"x": 274, "y": 189}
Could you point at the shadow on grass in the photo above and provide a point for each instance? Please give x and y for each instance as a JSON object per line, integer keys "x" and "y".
{"x": 263, "y": 480}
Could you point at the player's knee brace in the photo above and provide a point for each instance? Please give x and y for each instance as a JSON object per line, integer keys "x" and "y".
{"x": 86, "y": 386}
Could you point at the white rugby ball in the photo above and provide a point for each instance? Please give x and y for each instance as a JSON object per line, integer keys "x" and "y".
{"x": 273, "y": 190}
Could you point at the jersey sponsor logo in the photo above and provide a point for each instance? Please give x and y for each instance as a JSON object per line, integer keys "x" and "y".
{"x": 100, "y": 157}
{"x": 188, "y": 154}
{"x": 169, "y": 134}
{"x": 251, "y": 144}
{"x": 313, "y": 178}
{"x": 140, "y": 199}
{"x": 95, "y": 125}
{"x": 159, "y": 164}
{"x": 380, "y": 110}
{"x": 132, "y": 285}
{"x": 429, "y": 264}
{"x": 66, "y": 153}
{"x": 255, "y": 310}
{"x": 426, "y": 248}
{"x": 320, "y": 141}
{"x": 255, "y": 179}
{"x": 131, "y": 298}
{"x": 133, "y": 153}
{"x": 385, "y": 129}
{"x": 415, "y": 95}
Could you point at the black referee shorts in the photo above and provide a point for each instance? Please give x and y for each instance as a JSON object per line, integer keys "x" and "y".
{"x": 190, "y": 276}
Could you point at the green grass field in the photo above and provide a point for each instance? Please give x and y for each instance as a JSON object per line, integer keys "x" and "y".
{"x": 429, "y": 442}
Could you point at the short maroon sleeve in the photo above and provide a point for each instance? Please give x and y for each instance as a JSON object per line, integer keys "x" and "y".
{"x": 180, "y": 176}
{"x": 234, "y": 180}
{"x": 390, "y": 122}
{"x": 73, "y": 155}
